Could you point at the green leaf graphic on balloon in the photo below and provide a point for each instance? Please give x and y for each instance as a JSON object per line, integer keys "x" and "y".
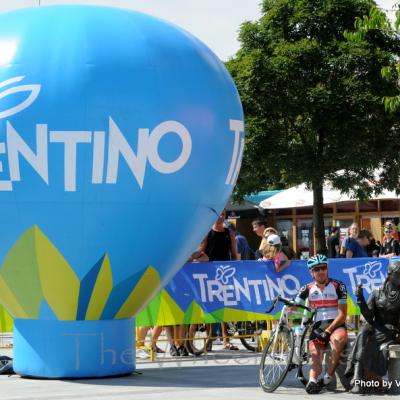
{"x": 37, "y": 282}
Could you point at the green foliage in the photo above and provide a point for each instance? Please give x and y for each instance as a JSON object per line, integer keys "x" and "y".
{"x": 311, "y": 86}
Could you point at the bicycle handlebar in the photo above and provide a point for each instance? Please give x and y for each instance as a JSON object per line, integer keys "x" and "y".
{"x": 273, "y": 305}
{"x": 287, "y": 302}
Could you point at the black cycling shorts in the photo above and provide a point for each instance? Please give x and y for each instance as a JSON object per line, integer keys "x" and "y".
{"x": 323, "y": 325}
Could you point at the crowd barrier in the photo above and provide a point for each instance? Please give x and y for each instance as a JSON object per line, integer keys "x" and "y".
{"x": 243, "y": 290}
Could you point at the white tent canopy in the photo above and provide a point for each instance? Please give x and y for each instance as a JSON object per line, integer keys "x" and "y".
{"x": 300, "y": 196}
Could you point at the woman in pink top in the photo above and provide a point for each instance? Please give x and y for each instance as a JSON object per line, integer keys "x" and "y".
{"x": 272, "y": 250}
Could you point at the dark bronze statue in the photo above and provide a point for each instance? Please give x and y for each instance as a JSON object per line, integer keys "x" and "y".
{"x": 368, "y": 358}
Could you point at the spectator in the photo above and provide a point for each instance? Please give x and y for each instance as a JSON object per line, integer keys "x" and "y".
{"x": 357, "y": 248}
{"x": 333, "y": 243}
{"x": 373, "y": 248}
{"x": 143, "y": 350}
{"x": 290, "y": 254}
{"x": 177, "y": 333}
{"x": 244, "y": 250}
{"x": 220, "y": 245}
{"x": 260, "y": 229}
{"x": 272, "y": 250}
{"x": 353, "y": 232}
{"x": 267, "y": 232}
{"x": 390, "y": 246}
{"x": 199, "y": 256}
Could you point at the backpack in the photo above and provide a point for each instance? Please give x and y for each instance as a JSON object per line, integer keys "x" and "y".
{"x": 6, "y": 366}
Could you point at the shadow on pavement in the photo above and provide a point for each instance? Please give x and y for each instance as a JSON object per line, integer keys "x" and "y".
{"x": 219, "y": 376}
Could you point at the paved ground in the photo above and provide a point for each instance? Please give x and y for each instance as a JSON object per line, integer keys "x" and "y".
{"x": 219, "y": 375}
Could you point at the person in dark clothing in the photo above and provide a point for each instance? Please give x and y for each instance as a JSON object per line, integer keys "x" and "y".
{"x": 390, "y": 246}
{"x": 333, "y": 243}
{"x": 244, "y": 251}
{"x": 220, "y": 245}
{"x": 373, "y": 248}
{"x": 352, "y": 235}
{"x": 368, "y": 358}
{"x": 358, "y": 248}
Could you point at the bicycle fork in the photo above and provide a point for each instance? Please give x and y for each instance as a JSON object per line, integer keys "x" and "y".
{"x": 283, "y": 321}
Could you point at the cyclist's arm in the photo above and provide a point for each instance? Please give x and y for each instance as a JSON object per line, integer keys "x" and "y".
{"x": 339, "y": 320}
{"x": 302, "y": 296}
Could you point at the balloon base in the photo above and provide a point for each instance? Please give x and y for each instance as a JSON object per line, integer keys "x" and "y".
{"x": 74, "y": 349}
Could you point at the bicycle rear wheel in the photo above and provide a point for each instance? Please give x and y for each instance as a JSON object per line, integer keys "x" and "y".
{"x": 250, "y": 333}
{"x": 276, "y": 359}
{"x": 303, "y": 371}
{"x": 198, "y": 339}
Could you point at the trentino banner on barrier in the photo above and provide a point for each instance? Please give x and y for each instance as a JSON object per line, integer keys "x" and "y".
{"x": 243, "y": 290}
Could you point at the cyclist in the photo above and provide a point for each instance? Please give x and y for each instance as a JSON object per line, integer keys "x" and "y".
{"x": 329, "y": 297}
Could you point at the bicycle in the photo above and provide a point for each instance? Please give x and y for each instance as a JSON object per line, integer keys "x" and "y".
{"x": 283, "y": 353}
{"x": 249, "y": 332}
{"x": 200, "y": 337}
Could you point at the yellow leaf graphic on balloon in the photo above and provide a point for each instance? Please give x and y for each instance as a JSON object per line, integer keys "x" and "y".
{"x": 20, "y": 274}
{"x": 33, "y": 271}
{"x": 101, "y": 291}
{"x": 148, "y": 285}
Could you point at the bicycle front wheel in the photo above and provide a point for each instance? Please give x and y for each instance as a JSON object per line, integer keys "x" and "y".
{"x": 276, "y": 359}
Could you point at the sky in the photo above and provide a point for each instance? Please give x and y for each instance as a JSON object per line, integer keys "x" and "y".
{"x": 215, "y": 22}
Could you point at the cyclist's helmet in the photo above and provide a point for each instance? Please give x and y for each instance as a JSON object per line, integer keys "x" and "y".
{"x": 315, "y": 261}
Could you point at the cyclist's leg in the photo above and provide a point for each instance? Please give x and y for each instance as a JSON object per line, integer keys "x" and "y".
{"x": 316, "y": 352}
{"x": 338, "y": 342}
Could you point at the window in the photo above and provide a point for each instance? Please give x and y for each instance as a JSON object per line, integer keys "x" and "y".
{"x": 284, "y": 228}
{"x": 305, "y": 242}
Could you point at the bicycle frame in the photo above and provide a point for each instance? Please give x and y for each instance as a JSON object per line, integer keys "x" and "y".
{"x": 282, "y": 323}
{"x": 296, "y": 357}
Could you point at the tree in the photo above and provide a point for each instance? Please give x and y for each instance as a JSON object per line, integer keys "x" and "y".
{"x": 375, "y": 21}
{"x": 313, "y": 100}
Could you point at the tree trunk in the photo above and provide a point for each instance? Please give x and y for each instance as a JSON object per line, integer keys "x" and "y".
{"x": 318, "y": 217}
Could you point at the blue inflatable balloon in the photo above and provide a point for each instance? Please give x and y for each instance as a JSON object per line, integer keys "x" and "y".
{"x": 121, "y": 138}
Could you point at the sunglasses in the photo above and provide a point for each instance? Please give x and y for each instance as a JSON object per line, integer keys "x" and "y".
{"x": 317, "y": 269}
{"x": 388, "y": 230}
